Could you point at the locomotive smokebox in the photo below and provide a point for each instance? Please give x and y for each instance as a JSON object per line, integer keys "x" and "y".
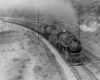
{"x": 75, "y": 45}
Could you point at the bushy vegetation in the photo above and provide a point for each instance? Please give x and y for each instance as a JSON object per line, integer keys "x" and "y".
{"x": 17, "y": 13}
{"x": 86, "y": 9}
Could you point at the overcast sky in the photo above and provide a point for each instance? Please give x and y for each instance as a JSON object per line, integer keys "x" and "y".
{"x": 61, "y": 9}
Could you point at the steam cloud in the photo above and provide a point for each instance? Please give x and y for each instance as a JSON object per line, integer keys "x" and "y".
{"x": 61, "y": 10}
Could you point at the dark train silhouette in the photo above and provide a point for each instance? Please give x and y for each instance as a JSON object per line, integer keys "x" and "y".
{"x": 68, "y": 45}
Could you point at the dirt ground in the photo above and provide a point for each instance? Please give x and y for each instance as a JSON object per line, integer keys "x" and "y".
{"x": 22, "y": 55}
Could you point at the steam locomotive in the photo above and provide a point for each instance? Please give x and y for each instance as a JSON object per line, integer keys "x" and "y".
{"x": 68, "y": 45}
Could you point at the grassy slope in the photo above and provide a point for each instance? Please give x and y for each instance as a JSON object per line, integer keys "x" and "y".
{"x": 23, "y": 48}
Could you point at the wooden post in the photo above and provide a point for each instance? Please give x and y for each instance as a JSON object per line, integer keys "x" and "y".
{"x": 38, "y": 25}
{"x": 79, "y": 28}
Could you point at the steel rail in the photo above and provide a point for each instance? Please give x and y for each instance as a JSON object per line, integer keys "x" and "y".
{"x": 91, "y": 53}
{"x": 93, "y": 59}
{"x": 80, "y": 75}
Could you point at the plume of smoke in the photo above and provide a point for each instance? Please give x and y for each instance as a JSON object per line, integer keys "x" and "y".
{"x": 51, "y": 10}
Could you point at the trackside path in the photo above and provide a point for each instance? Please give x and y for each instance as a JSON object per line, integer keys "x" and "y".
{"x": 69, "y": 74}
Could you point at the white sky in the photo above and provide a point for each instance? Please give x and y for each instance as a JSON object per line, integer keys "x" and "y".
{"x": 5, "y": 4}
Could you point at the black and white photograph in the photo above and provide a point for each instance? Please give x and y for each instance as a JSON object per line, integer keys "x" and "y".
{"x": 49, "y": 39}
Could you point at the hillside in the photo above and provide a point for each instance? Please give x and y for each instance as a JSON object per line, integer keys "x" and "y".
{"x": 23, "y": 56}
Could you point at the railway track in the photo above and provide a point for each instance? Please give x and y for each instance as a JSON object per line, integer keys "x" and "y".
{"x": 90, "y": 70}
{"x": 92, "y": 56}
{"x": 83, "y": 73}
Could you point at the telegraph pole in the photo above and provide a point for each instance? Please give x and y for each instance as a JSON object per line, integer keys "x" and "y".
{"x": 79, "y": 28}
{"x": 38, "y": 25}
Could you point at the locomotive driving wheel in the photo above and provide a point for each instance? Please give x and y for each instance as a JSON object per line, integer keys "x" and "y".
{"x": 66, "y": 53}
{"x": 63, "y": 51}
{"x": 69, "y": 61}
{"x": 59, "y": 46}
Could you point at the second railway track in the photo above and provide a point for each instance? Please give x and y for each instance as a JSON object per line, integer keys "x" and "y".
{"x": 81, "y": 72}
{"x": 93, "y": 64}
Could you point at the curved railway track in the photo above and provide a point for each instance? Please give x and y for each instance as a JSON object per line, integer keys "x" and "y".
{"x": 89, "y": 71}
